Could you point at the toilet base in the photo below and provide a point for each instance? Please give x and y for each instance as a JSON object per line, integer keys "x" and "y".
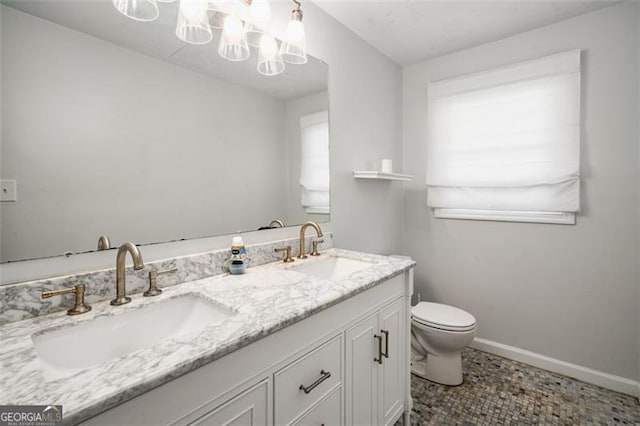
{"x": 446, "y": 370}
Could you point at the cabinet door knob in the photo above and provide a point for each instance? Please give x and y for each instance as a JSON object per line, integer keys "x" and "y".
{"x": 386, "y": 343}
{"x": 379, "y": 358}
{"x": 324, "y": 375}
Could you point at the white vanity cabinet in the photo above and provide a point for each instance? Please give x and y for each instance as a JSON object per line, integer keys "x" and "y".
{"x": 375, "y": 355}
{"x": 320, "y": 370}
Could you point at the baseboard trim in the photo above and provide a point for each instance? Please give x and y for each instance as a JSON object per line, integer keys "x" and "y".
{"x": 588, "y": 375}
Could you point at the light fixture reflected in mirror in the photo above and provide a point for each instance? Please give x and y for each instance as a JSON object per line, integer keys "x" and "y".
{"x": 259, "y": 16}
{"x": 243, "y": 23}
{"x": 216, "y": 15}
{"x": 140, "y": 10}
{"x": 233, "y": 41}
{"x": 293, "y": 49}
{"x": 269, "y": 59}
{"x": 193, "y": 22}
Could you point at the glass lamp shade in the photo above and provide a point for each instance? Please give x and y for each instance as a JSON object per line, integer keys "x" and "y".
{"x": 193, "y": 22}
{"x": 293, "y": 48}
{"x": 259, "y": 15}
{"x": 216, "y": 15}
{"x": 140, "y": 10}
{"x": 269, "y": 59}
{"x": 233, "y": 41}
{"x": 254, "y": 34}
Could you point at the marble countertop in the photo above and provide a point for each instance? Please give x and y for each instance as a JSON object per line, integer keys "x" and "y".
{"x": 266, "y": 299}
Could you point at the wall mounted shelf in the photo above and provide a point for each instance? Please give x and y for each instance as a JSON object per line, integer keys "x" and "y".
{"x": 363, "y": 174}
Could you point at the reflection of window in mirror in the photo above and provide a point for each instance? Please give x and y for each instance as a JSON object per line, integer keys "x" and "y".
{"x": 314, "y": 166}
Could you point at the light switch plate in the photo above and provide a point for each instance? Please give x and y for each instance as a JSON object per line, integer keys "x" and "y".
{"x": 8, "y": 191}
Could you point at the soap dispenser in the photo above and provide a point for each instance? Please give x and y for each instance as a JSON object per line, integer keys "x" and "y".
{"x": 238, "y": 260}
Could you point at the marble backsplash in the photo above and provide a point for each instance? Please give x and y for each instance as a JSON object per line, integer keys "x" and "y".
{"x": 23, "y": 300}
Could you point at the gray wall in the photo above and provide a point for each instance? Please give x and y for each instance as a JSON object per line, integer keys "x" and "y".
{"x": 568, "y": 292}
{"x": 103, "y": 140}
{"x": 365, "y": 116}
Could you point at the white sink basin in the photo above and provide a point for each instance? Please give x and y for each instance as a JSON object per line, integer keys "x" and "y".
{"x": 331, "y": 267}
{"x": 65, "y": 351}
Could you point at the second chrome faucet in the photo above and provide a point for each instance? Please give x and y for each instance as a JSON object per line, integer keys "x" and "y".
{"x": 121, "y": 297}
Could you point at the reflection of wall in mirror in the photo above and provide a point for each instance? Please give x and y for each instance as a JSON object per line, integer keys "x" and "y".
{"x": 93, "y": 133}
{"x": 294, "y": 110}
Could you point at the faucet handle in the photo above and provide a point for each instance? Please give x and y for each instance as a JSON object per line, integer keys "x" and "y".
{"x": 287, "y": 254}
{"x": 314, "y": 247}
{"x": 79, "y": 307}
{"x": 153, "y": 281}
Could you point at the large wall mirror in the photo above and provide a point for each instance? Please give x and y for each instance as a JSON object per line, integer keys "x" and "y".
{"x": 115, "y": 127}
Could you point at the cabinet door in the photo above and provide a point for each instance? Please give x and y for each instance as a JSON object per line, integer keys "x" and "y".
{"x": 361, "y": 381}
{"x": 392, "y": 384}
{"x": 248, "y": 408}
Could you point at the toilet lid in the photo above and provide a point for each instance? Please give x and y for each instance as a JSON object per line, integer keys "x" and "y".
{"x": 442, "y": 316}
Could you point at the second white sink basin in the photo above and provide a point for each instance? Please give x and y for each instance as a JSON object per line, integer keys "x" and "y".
{"x": 331, "y": 267}
{"x": 65, "y": 351}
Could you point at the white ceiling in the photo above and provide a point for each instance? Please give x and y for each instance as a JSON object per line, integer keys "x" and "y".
{"x": 410, "y": 31}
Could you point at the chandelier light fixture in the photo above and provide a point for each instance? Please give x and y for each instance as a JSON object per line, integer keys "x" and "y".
{"x": 244, "y": 24}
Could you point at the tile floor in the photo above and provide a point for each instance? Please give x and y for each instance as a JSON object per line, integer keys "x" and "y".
{"x": 499, "y": 391}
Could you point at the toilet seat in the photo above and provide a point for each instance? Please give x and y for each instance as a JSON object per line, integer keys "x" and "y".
{"x": 443, "y": 317}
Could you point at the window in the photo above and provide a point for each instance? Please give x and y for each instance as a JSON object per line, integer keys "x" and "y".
{"x": 314, "y": 167}
{"x": 505, "y": 144}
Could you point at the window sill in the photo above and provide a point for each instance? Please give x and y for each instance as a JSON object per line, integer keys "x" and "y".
{"x": 506, "y": 216}
{"x": 317, "y": 210}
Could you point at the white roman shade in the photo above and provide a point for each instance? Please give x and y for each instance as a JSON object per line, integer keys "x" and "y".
{"x": 507, "y": 139}
{"x": 314, "y": 167}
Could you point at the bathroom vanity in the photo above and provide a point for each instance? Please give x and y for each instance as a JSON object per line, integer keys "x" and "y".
{"x": 322, "y": 340}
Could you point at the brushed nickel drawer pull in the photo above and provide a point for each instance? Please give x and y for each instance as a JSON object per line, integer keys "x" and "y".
{"x": 386, "y": 343}
{"x": 379, "y": 359}
{"x": 324, "y": 375}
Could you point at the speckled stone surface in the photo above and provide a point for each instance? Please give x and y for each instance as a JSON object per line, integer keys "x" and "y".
{"x": 498, "y": 391}
{"x": 264, "y": 300}
{"x": 22, "y": 300}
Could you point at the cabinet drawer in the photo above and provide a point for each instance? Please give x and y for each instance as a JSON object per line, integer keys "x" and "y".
{"x": 319, "y": 371}
{"x": 327, "y": 412}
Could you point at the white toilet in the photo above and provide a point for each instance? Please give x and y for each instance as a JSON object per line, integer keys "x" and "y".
{"x": 439, "y": 333}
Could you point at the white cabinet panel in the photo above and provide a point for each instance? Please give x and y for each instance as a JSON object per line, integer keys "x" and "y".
{"x": 392, "y": 385}
{"x": 327, "y": 413}
{"x": 375, "y": 383}
{"x": 318, "y": 372}
{"x": 247, "y": 409}
{"x": 361, "y": 381}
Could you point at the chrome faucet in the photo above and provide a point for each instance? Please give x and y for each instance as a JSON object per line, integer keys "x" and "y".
{"x": 301, "y": 254}
{"x": 121, "y": 297}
